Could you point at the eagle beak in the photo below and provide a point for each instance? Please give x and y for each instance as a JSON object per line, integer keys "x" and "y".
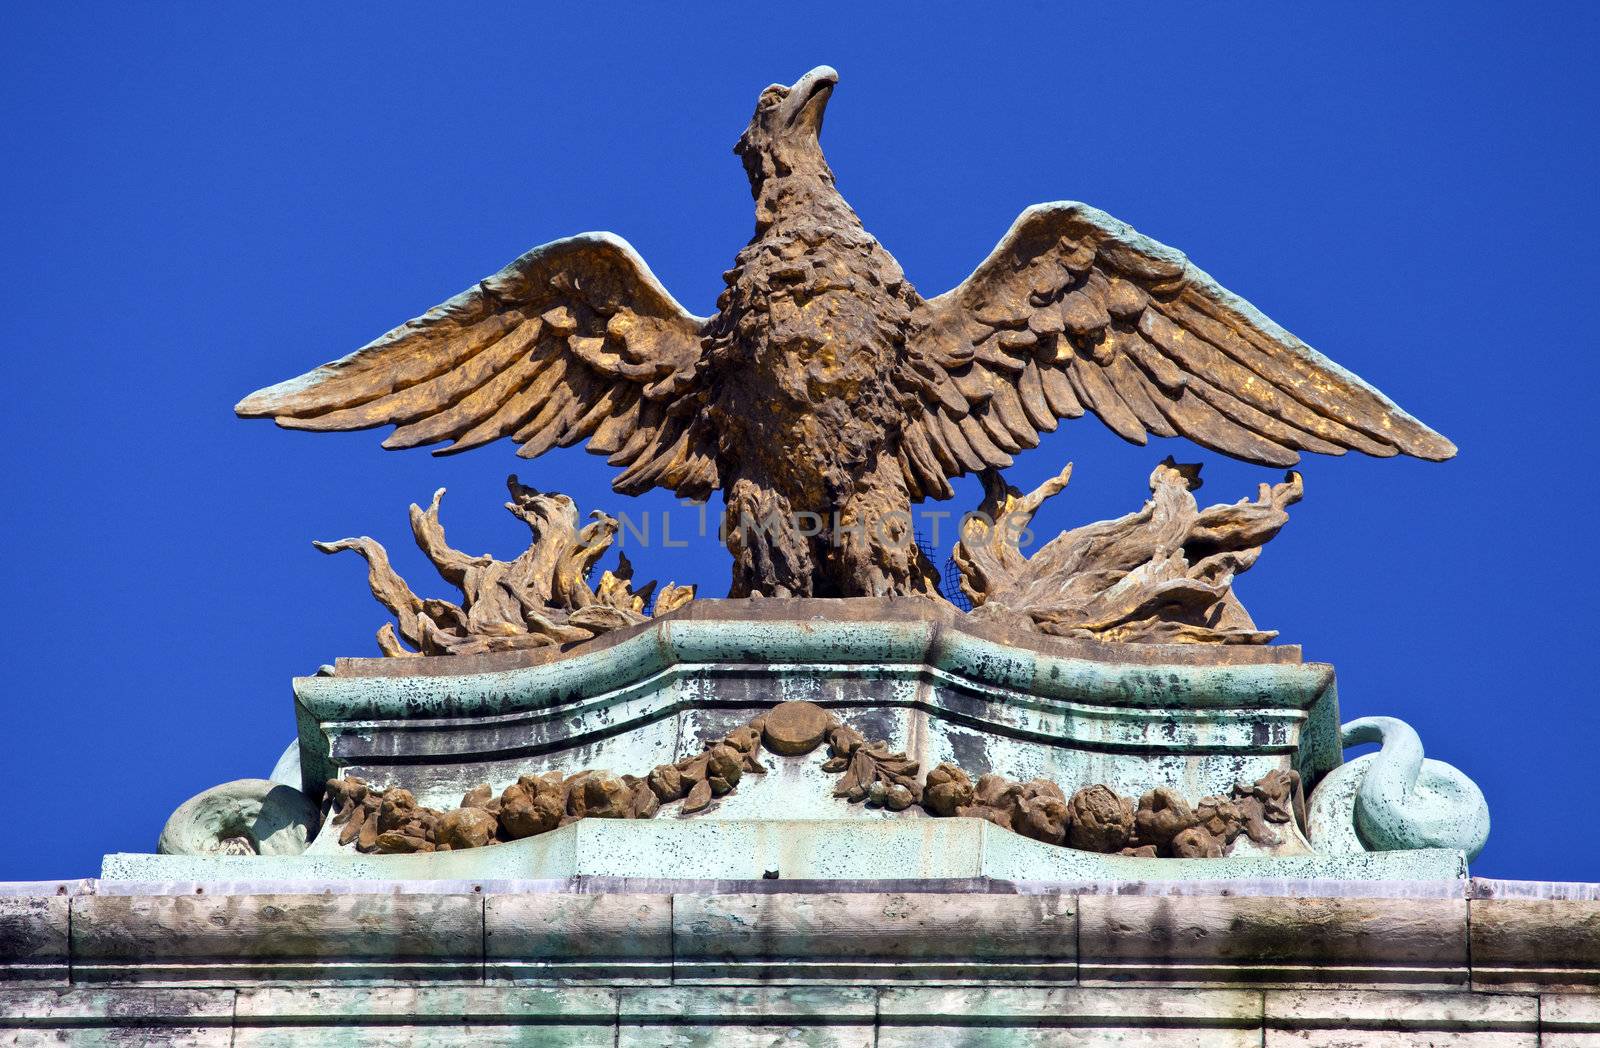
{"x": 808, "y": 98}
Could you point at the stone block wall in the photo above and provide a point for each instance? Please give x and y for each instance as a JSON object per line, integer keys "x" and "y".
{"x": 1326, "y": 963}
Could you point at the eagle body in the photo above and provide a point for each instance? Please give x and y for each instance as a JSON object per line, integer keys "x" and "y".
{"x": 826, "y": 396}
{"x": 805, "y": 363}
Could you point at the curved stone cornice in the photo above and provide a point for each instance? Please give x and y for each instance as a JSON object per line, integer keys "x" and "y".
{"x": 1180, "y": 701}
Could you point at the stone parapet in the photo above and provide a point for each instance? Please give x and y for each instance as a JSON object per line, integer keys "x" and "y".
{"x": 853, "y": 963}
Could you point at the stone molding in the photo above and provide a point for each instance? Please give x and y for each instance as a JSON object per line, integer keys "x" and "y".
{"x": 493, "y": 713}
{"x": 745, "y": 849}
{"x": 822, "y": 937}
{"x": 1488, "y": 963}
{"x": 818, "y": 1016}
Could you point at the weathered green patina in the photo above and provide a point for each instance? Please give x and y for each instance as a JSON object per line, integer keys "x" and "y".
{"x": 933, "y": 686}
{"x": 936, "y": 685}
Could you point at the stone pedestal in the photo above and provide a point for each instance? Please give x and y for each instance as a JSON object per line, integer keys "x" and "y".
{"x": 1194, "y": 720}
{"x": 781, "y": 912}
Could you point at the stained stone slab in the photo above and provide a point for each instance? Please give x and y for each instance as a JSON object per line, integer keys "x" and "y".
{"x": 1496, "y": 888}
{"x": 1024, "y": 1017}
{"x": 836, "y": 938}
{"x": 189, "y": 1018}
{"x": 1536, "y": 944}
{"x": 1335, "y": 1019}
{"x": 434, "y": 1015}
{"x": 33, "y": 939}
{"x": 41, "y": 889}
{"x": 242, "y": 939}
{"x": 1143, "y": 940}
{"x": 747, "y": 1017}
{"x": 588, "y": 963}
{"x": 584, "y": 884}
{"x": 629, "y": 931}
{"x": 620, "y": 939}
{"x": 1569, "y": 1020}
{"x": 751, "y": 849}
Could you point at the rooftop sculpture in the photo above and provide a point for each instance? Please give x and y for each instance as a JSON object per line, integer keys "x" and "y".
{"x": 826, "y": 387}
{"x": 823, "y": 400}
{"x": 556, "y": 809}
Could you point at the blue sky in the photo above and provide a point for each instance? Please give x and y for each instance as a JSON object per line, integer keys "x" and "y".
{"x": 198, "y": 202}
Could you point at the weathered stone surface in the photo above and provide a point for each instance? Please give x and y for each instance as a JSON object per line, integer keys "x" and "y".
{"x": 1272, "y": 941}
{"x": 749, "y": 845}
{"x": 238, "y": 939}
{"x": 1535, "y": 944}
{"x": 832, "y": 937}
{"x": 961, "y": 968}
{"x": 793, "y": 728}
{"x": 124, "y": 1015}
{"x": 611, "y": 938}
{"x": 921, "y": 1017}
{"x": 1569, "y": 1020}
{"x": 314, "y": 1017}
{"x": 906, "y": 1016}
{"x": 33, "y": 939}
{"x": 747, "y": 1017}
{"x": 1337, "y": 1019}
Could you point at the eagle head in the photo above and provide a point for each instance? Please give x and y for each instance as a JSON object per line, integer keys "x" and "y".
{"x": 782, "y": 136}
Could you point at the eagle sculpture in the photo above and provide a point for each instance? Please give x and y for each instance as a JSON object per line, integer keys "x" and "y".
{"x": 826, "y": 395}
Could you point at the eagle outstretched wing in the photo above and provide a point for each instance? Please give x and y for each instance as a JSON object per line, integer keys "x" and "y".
{"x": 574, "y": 340}
{"x": 1075, "y": 311}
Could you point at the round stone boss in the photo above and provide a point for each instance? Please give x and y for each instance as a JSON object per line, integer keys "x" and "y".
{"x": 793, "y": 728}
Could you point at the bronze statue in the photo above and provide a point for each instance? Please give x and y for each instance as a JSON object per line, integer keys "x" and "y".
{"x": 826, "y": 395}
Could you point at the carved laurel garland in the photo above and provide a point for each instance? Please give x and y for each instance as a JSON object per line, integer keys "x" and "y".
{"x": 1160, "y": 824}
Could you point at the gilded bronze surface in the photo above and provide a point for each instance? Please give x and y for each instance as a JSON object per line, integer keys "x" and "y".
{"x": 541, "y": 598}
{"x": 1163, "y": 575}
{"x": 826, "y": 387}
